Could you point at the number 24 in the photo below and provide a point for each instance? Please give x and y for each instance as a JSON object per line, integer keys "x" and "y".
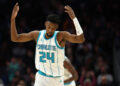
{"x": 49, "y": 56}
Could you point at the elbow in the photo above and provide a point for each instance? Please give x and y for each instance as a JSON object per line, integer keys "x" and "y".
{"x": 76, "y": 76}
{"x": 83, "y": 40}
{"x": 14, "y": 40}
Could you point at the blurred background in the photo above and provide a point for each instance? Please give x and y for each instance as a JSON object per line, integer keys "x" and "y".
{"x": 97, "y": 60}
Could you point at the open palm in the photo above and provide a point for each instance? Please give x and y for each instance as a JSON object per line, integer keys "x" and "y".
{"x": 15, "y": 11}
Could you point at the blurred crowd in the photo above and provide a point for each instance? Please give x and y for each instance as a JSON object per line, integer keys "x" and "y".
{"x": 94, "y": 60}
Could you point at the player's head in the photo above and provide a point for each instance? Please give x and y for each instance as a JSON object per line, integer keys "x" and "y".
{"x": 52, "y": 23}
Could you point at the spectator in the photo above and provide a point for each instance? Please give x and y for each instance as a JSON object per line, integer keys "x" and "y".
{"x": 89, "y": 79}
{"x": 21, "y": 83}
{"x": 13, "y": 67}
{"x": 104, "y": 81}
{"x": 104, "y": 77}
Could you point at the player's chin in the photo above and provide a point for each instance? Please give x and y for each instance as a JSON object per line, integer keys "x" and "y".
{"x": 50, "y": 34}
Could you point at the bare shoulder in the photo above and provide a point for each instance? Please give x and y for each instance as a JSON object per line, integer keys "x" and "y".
{"x": 35, "y": 34}
{"x": 35, "y": 31}
{"x": 63, "y": 33}
{"x": 60, "y": 38}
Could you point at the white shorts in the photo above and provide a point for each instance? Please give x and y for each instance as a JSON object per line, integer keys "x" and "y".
{"x": 41, "y": 80}
{"x": 70, "y": 84}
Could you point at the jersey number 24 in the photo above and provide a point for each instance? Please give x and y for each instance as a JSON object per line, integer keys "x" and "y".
{"x": 48, "y": 55}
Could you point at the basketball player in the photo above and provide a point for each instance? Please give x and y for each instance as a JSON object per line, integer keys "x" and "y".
{"x": 50, "y": 44}
{"x": 70, "y": 74}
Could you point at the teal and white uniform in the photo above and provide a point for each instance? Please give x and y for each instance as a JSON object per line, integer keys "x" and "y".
{"x": 49, "y": 60}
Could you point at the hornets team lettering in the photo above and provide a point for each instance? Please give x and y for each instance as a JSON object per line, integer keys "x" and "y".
{"x": 46, "y": 47}
{"x": 49, "y": 55}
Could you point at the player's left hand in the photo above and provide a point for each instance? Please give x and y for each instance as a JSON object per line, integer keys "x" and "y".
{"x": 15, "y": 11}
{"x": 70, "y": 11}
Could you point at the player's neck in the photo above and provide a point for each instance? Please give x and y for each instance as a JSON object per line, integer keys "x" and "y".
{"x": 47, "y": 36}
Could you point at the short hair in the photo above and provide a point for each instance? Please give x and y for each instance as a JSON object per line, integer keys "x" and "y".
{"x": 53, "y": 18}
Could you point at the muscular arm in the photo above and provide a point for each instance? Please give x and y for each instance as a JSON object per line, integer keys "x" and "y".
{"x": 72, "y": 37}
{"x": 72, "y": 70}
{"x": 79, "y": 38}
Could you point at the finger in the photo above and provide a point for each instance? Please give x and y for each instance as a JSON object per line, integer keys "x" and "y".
{"x": 69, "y": 7}
{"x": 16, "y": 5}
{"x": 66, "y": 11}
{"x": 66, "y": 7}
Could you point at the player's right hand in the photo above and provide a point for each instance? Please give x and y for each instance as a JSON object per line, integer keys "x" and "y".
{"x": 15, "y": 11}
{"x": 70, "y": 11}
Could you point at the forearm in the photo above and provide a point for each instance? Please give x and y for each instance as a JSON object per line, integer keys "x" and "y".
{"x": 79, "y": 38}
{"x": 79, "y": 31}
{"x": 14, "y": 34}
{"x": 69, "y": 80}
{"x": 78, "y": 28}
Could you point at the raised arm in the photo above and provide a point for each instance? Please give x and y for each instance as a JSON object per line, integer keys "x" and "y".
{"x": 71, "y": 69}
{"x": 79, "y": 37}
{"x": 24, "y": 37}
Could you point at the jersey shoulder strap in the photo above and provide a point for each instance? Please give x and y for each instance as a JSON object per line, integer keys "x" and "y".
{"x": 56, "y": 42}
{"x": 40, "y": 34}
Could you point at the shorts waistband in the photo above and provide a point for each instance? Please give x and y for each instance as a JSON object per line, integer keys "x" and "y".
{"x": 67, "y": 83}
{"x": 41, "y": 73}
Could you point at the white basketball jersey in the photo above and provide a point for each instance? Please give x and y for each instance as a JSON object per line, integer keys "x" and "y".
{"x": 49, "y": 55}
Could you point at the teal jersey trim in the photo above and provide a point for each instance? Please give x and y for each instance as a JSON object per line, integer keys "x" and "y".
{"x": 50, "y": 37}
{"x": 57, "y": 42}
{"x": 38, "y": 36}
{"x": 67, "y": 83}
{"x": 41, "y": 73}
